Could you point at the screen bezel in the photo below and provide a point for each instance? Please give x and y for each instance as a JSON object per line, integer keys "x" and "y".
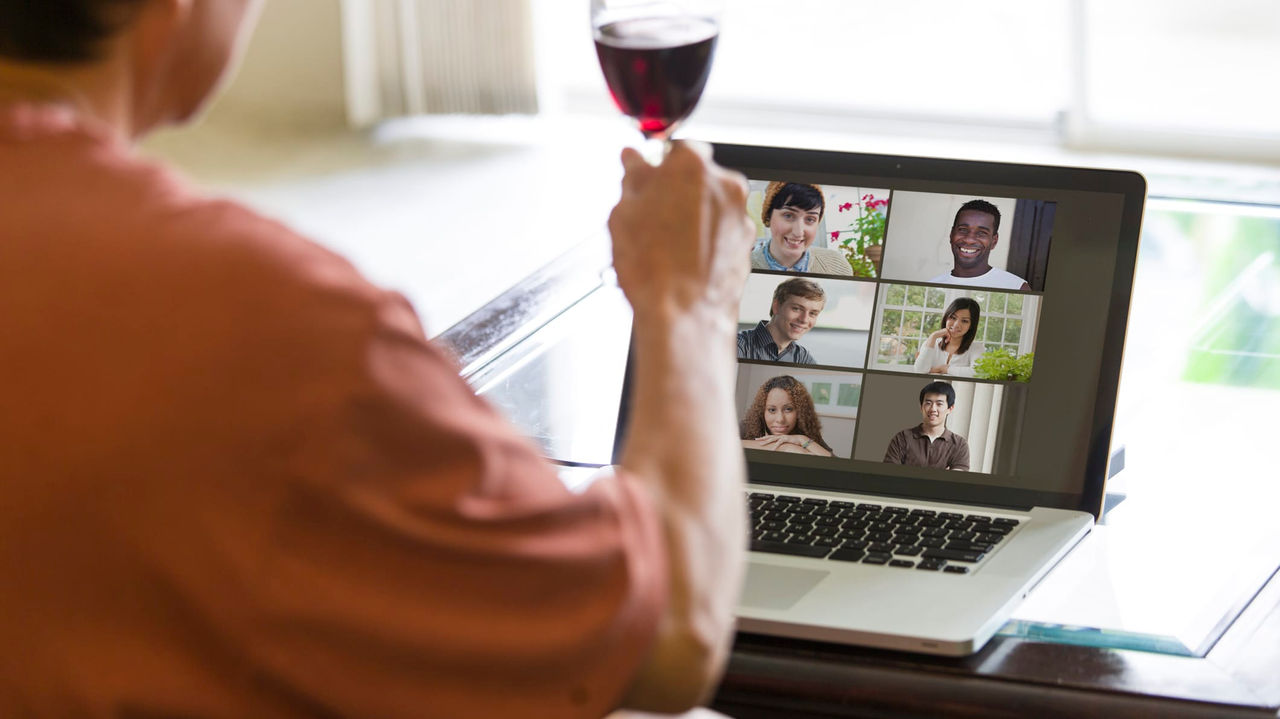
{"x": 841, "y": 167}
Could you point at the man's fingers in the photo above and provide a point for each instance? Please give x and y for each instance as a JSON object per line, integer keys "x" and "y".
{"x": 635, "y": 168}
{"x": 631, "y": 159}
{"x": 701, "y": 149}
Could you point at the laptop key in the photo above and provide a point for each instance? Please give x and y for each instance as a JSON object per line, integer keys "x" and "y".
{"x": 873, "y": 558}
{"x": 956, "y": 569}
{"x": 931, "y": 542}
{"x": 968, "y": 546}
{"x": 954, "y": 555}
{"x": 931, "y": 564}
{"x": 774, "y": 536}
{"x": 847, "y": 554}
{"x": 798, "y": 550}
{"x": 856, "y": 544}
{"x": 989, "y": 538}
{"x": 790, "y": 498}
{"x": 826, "y": 542}
{"x": 800, "y": 539}
{"x": 908, "y": 550}
{"x": 901, "y": 563}
{"x": 1007, "y": 521}
{"x": 882, "y": 547}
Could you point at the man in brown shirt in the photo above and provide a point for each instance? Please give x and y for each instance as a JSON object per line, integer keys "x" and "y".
{"x": 930, "y": 443}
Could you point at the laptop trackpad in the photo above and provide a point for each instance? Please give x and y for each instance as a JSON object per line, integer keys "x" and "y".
{"x": 769, "y": 586}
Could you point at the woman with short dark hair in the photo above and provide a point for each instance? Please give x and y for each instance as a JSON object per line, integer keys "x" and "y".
{"x": 792, "y": 212}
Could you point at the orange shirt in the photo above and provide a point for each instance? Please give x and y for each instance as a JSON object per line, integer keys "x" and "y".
{"x": 237, "y": 481}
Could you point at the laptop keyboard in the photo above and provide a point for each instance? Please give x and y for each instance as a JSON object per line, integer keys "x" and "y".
{"x": 904, "y": 537}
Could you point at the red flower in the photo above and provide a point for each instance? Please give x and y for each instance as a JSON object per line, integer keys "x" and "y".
{"x": 835, "y": 235}
{"x": 846, "y": 206}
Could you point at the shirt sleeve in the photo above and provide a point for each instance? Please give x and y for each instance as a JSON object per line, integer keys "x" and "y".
{"x": 896, "y": 453}
{"x": 430, "y": 563}
{"x": 960, "y": 458}
{"x": 962, "y": 365}
{"x": 924, "y": 359}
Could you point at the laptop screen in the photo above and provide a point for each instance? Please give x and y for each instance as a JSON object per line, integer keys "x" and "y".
{"x": 933, "y": 329}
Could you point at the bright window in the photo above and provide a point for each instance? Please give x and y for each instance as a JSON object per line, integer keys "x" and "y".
{"x": 1120, "y": 74}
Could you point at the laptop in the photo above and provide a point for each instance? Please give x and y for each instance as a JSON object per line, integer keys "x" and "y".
{"x": 943, "y": 438}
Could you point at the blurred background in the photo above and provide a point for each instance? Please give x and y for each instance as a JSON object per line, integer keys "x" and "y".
{"x": 416, "y": 134}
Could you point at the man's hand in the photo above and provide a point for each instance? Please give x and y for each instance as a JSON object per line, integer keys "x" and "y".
{"x": 681, "y": 236}
{"x": 681, "y": 243}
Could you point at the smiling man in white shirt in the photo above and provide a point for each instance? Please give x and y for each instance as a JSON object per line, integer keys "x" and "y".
{"x": 974, "y": 234}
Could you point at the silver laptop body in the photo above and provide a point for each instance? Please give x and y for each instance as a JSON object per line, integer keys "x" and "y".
{"x": 1039, "y": 444}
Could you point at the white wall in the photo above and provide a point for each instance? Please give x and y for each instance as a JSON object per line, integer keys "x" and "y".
{"x": 292, "y": 73}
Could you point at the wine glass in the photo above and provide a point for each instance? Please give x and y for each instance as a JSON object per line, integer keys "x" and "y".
{"x": 656, "y": 55}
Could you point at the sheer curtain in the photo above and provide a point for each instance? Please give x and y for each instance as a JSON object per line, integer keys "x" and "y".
{"x": 411, "y": 57}
{"x": 976, "y": 418}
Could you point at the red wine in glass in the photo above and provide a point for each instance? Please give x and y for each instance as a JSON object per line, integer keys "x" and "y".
{"x": 656, "y": 67}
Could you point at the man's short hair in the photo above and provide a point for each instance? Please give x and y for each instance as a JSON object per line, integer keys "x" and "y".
{"x": 980, "y": 206}
{"x": 61, "y": 31}
{"x": 797, "y": 287}
{"x": 941, "y": 388}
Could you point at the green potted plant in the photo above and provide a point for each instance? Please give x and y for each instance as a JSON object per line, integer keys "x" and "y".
{"x": 1001, "y": 364}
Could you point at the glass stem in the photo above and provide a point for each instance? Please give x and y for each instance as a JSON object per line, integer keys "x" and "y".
{"x": 655, "y": 149}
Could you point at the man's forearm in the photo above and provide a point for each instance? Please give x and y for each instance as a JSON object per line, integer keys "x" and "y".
{"x": 683, "y": 440}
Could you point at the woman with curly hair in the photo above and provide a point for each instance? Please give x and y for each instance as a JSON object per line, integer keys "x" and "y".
{"x": 782, "y": 418}
{"x": 951, "y": 350}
